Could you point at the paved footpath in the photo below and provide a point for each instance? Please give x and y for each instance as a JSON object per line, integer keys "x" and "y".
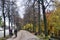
{"x": 24, "y": 35}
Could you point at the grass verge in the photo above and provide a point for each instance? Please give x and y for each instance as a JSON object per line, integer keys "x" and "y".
{"x": 44, "y": 38}
{"x": 4, "y": 38}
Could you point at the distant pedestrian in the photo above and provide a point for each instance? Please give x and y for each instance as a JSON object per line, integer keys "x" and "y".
{"x": 15, "y": 32}
{"x": 10, "y": 32}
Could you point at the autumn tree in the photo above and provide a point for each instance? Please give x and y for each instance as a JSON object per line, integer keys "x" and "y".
{"x": 53, "y": 18}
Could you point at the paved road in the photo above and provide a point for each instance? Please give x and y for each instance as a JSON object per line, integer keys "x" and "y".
{"x": 24, "y": 35}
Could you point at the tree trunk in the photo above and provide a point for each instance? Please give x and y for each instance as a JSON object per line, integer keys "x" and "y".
{"x": 44, "y": 16}
{"x": 39, "y": 30}
{"x": 3, "y": 1}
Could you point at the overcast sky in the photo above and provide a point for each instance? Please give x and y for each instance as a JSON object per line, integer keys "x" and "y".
{"x": 21, "y": 7}
{"x": 21, "y": 3}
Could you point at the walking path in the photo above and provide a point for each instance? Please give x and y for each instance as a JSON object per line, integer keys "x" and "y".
{"x": 24, "y": 35}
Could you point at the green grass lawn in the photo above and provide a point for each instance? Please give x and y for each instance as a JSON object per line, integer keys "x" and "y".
{"x": 41, "y": 37}
{"x": 4, "y": 38}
